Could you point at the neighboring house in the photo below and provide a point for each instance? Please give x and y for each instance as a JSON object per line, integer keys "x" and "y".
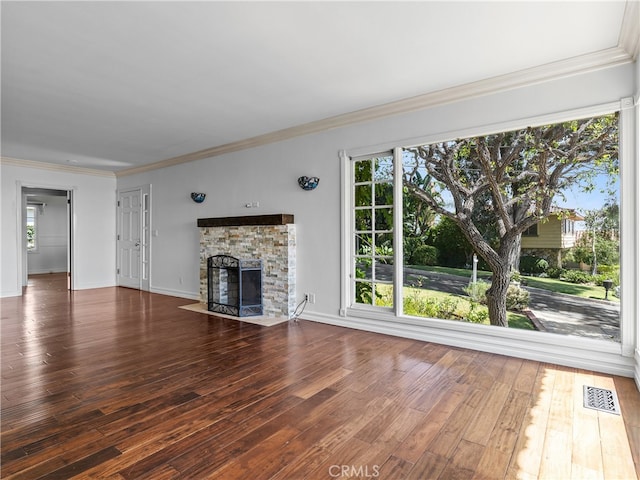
{"x": 549, "y": 238}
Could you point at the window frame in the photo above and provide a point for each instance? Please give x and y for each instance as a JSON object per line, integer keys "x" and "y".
{"x": 568, "y": 226}
{"x": 353, "y": 208}
{"x": 539, "y": 345}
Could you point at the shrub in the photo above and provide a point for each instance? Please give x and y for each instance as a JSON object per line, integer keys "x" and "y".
{"x": 419, "y": 307}
{"x": 364, "y": 290}
{"x": 532, "y": 265}
{"x": 447, "y": 308}
{"x": 577, "y": 276}
{"x": 517, "y": 298}
{"x": 477, "y": 291}
{"x": 556, "y": 272}
{"x": 430, "y": 307}
{"x": 410, "y": 245}
{"x": 598, "y": 279}
{"x": 477, "y": 313}
{"x": 425, "y": 255}
{"x": 609, "y": 272}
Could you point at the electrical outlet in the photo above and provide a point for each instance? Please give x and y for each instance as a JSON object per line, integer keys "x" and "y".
{"x": 310, "y": 297}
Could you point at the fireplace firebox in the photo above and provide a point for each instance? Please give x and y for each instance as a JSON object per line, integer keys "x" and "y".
{"x": 234, "y": 285}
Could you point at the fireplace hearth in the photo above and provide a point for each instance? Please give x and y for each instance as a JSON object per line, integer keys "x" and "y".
{"x": 234, "y": 286}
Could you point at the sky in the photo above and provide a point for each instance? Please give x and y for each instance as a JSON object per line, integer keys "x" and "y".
{"x": 582, "y": 201}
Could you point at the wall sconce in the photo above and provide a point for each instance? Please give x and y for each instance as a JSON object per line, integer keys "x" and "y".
{"x": 198, "y": 197}
{"x": 308, "y": 183}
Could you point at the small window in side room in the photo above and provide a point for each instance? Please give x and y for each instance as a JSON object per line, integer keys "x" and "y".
{"x": 32, "y": 216}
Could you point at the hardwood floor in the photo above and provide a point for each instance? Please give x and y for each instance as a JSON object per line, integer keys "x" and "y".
{"x": 117, "y": 383}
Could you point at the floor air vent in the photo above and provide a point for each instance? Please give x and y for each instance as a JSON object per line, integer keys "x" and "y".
{"x": 601, "y": 399}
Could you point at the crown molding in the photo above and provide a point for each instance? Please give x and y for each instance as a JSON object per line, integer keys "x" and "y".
{"x": 629, "y": 39}
{"x": 55, "y": 167}
{"x": 552, "y": 71}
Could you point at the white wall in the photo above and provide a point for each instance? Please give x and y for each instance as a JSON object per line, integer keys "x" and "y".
{"x": 94, "y": 218}
{"x": 51, "y": 221}
{"x": 268, "y": 175}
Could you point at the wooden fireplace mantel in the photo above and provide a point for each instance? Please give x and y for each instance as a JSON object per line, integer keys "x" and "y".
{"x": 247, "y": 220}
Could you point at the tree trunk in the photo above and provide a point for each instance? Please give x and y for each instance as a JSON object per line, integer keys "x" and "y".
{"x": 514, "y": 254}
{"x": 497, "y": 295}
{"x": 594, "y": 262}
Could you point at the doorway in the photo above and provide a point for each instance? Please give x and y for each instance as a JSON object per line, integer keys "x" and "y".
{"x": 47, "y": 233}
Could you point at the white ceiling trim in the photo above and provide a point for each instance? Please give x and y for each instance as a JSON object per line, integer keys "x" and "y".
{"x": 54, "y": 167}
{"x": 531, "y": 76}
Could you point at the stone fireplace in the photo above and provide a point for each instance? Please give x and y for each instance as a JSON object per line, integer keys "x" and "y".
{"x": 269, "y": 238}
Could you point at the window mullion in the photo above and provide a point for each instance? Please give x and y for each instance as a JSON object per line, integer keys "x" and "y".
{"x": 398, "y": 232}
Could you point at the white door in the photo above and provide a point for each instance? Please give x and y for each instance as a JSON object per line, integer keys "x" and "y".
{"x": 129, "y": 238}
{"x": 134, "y": 237}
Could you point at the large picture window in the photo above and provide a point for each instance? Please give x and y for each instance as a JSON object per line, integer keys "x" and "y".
{"x": 516, "y": 229}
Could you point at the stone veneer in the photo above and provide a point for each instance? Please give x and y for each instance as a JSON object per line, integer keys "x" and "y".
{"x": 275, "y": 245}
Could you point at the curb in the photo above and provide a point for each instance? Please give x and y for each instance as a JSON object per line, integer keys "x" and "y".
{"x": 536, "y": 323}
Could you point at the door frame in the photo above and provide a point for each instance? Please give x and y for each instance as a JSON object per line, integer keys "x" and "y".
{"x": 23, "y": 270}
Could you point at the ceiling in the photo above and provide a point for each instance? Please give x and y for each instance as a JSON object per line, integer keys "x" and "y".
{"x": 120, "y": 86}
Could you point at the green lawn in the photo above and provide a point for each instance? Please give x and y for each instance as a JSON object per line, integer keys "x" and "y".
{"x": 580, "y": 290}
{"x": 551, "y": 284}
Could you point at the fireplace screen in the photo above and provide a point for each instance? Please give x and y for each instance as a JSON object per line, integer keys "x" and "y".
{"x": 234, "y": 286}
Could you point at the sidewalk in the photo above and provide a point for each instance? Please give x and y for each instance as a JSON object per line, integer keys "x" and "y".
{"x": 571, "y": 315}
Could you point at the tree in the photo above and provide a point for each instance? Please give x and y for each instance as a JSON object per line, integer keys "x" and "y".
{"x": 592, "y": 220}
{"x": 607, "y": 252}
{"x": 603, "y": 233}
{"x": 418, "y": 218}
{"x": 454, "y": 250}
{"x": 517, "y": 174}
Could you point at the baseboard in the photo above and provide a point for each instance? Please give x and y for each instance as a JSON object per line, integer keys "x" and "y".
{"x": 87, "y": 286}
{"x": 11, "y": 293}
{"x": 540, "y": 346}
{"x": 175, "y": 293}
{"x": 47, "y": 270}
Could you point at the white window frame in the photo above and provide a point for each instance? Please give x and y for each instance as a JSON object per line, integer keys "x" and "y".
{"x": 543, "y": 346}
{"x": 374, "y": 232}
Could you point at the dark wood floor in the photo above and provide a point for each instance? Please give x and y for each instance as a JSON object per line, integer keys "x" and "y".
{"x": 116, "y": 383}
